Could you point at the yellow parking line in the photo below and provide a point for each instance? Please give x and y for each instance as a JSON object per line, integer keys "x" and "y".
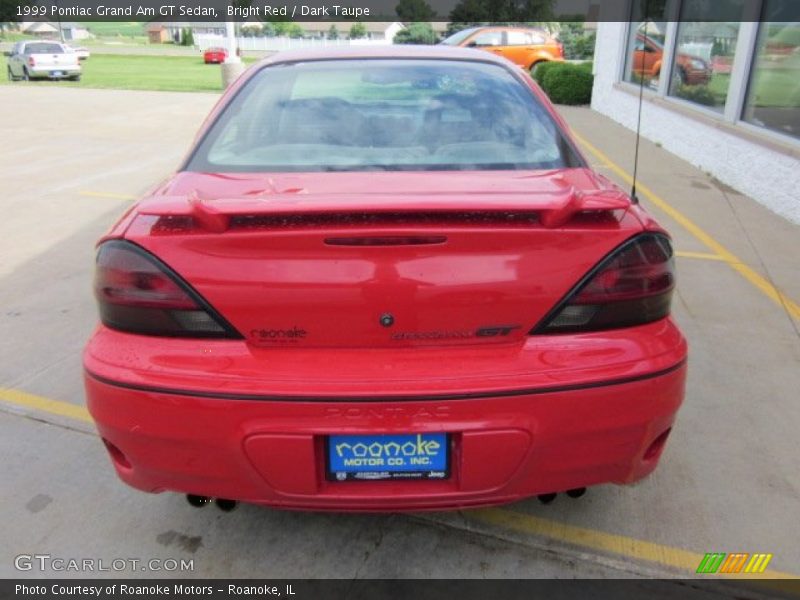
{"x": 699, "y": 255}
{"x": 54, "y": 407}
{"x": 498, "y": 517}
{"x": 667, "y": 556}
{"x": 718, "y": 249}
{"x": 113, "y": 195}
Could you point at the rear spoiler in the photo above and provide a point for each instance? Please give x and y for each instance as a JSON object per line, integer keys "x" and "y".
{"x": 551, "y": 210}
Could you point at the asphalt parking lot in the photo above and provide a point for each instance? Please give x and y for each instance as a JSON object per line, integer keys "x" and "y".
{"x": 73, "y": 159}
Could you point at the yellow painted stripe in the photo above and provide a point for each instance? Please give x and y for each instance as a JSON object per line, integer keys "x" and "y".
{"x": 718, "y": 249}
{"x": 698, "y": 255}
{"x": 676, "y": 558}
{"x": 113, "y": 195}
{"x": 521, "y": 523}
{"x": 54, "y": 407}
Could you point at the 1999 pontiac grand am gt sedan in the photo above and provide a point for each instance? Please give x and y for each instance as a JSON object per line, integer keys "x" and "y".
{"x": 384, "y": 279}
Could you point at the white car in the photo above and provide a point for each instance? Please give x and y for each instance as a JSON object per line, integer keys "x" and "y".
{"x": 81, "y": 52}
{"x": 42, "y": 60}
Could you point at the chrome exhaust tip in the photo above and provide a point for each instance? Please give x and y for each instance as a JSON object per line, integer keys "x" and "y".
{"x": 197, "y": 501}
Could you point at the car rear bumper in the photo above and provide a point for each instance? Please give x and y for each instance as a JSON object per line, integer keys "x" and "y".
{"x": 270, "y": 449}
{"x": 50, "y": 72}
{"x": 697, "y": 77}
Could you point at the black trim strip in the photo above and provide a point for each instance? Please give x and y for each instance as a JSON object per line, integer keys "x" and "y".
{"x": 400, "y": 398}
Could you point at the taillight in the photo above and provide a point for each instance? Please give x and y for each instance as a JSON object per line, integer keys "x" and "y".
{"x": 31, "y": 61}
{"x": 560, "y": 49}
{"x": 630, "y": 287}
{"x": 138, "y": 293}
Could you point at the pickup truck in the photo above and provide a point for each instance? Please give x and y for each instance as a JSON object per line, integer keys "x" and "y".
{"x": 42, "y": 60}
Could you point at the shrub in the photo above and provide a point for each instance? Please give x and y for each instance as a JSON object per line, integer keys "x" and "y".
{"x": 568, "y": 84}
{"x": 541, "y": 69}
{"x": 701, "y": 94}
{"x": 416, "y": 33}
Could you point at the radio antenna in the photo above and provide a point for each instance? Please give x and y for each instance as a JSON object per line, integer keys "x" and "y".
{"x": 645, "y": 20}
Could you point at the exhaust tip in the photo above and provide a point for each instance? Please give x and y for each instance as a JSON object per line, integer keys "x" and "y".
{"x": 576, "y": 492}
{"x": 225, "y": 505}
{"x": 546, "y": 498}
{"x": 197, "y": 501}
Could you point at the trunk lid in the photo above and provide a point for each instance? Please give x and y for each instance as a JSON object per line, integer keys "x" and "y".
{"x": 384, "y": 259}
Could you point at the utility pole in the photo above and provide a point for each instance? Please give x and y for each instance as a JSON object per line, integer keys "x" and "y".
{"x": 58, "y": 19}
{"x": 232, "y": 67}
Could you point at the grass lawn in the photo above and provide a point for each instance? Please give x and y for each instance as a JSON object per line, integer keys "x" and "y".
{"x": 114, "y": 28}
{"x": 132, "y": 72}
{"x": 776, "y": 84}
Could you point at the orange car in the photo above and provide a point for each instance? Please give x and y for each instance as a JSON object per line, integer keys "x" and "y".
{"x": 648, "y": 55}
{"x": 524, "y": 46}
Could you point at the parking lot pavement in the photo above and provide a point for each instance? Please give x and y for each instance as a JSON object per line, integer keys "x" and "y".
{"x": 73, "y": 160}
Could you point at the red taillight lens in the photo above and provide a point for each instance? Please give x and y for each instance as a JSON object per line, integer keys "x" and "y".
{"x": 137, "y": 293}
{"x": 631, "y": 287}
{"x": 31, "y": 61}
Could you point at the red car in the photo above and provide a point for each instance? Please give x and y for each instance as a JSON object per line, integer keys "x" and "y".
{"x": 215, "y": 56}
{"x": 384, "y": 279}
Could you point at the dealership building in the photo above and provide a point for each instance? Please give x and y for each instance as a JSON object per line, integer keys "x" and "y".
{"x": 724, "y": 96}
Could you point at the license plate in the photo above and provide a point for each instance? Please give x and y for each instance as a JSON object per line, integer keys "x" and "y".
{"x": 57, "y": 73}
{"x": 376, "y": 457}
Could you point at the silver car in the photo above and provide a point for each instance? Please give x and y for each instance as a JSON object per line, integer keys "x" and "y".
{"x": 39, "y": 59}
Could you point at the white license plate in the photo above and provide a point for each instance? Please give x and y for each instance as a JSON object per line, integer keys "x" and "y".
{"x": 57, "y": 73}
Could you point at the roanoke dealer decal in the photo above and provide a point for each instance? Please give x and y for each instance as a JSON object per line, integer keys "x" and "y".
{"x": 422, "y": 455}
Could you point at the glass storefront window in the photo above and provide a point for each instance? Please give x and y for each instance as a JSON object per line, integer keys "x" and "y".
{"x": 773, "y": 98}
{"x": 646, "y": 53}
{"x": 703, "y": 63}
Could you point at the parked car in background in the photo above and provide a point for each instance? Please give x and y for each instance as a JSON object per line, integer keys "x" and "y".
{"x": 215, "y": 56}
{"x": 648, "y": 55}
{"x": 525, "y": 46}
{"x": 81, "y": 52}
{"x": 384, "y": 279}
{"x": 42, "y": 60}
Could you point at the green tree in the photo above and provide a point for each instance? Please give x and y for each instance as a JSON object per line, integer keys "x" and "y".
{"x": 187, "y": 39}
{"x": 287, "y": 29}
{"x": 268, "y": 29}
{"x": 333, "y": 33}
{"x": 578, "y": 43}
{"x": 358, "y": 30}
{"x": 416, "y": 33}
{"x": 412, "y": 11}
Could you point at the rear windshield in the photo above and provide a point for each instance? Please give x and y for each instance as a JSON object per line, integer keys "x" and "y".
{"x": 44, "y": 48}
{"x": 355, "y": 115}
